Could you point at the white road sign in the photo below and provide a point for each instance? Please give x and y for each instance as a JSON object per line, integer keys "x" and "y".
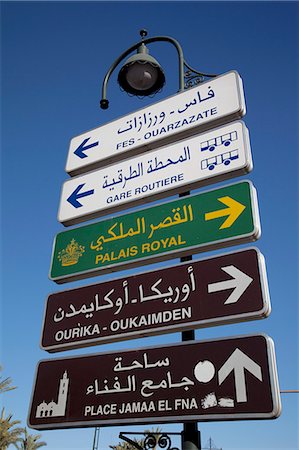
{"x": 205, "y": 106}
{"x": 219, "y": 154}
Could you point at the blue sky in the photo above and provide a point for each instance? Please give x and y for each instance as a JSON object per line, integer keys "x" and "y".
{"x": 54, "y": 58}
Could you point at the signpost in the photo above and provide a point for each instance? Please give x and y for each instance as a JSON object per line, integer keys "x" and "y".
{"x": 214, "y": 291}
{"x": 224, "y": 379}
{"x": 205, "y": 106}
{"x": 216, "y": 155}
{"x": 213, "y": 219}
{"x": 167, "y": 148}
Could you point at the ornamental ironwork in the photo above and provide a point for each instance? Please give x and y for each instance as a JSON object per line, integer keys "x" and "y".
{"x": 151, "y": 440}
{"x": 192, "y": 77}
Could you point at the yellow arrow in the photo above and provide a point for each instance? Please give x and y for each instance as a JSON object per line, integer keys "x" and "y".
{"x": 233, "y": 211}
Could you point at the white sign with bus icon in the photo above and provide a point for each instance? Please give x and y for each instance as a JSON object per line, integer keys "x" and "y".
{"x": 202, "y": 159}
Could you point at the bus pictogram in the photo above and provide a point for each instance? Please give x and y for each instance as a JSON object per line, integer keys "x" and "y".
{"x": 223, "y": 158}
{"x": 224, "y": 139}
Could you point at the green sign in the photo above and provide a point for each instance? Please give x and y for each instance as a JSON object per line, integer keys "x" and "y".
{"x": 192, "y": 224}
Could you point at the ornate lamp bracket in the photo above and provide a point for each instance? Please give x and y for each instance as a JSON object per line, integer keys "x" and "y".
{"x": 192, "y": 77}
{"x": 152, "y": 441}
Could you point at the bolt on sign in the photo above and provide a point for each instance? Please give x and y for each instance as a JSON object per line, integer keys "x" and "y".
{"x": 196, "y": 223}
{"x": 219, "y": 154}
{"x": 224, "y": 379}
{"x": 224, "y": 289}
{"x": 208, "y": 105}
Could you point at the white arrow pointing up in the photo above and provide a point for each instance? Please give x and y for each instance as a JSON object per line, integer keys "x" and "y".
{"x": 239, "y": 283}
{"x": 237, "y": 363}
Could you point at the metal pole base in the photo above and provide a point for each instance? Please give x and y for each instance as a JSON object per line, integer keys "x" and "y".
{"x": 191, "y": 437}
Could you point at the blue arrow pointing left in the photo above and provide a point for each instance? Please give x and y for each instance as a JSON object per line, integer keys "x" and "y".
{"x": 82, "y": 147}
{"x": 73, "y": 198}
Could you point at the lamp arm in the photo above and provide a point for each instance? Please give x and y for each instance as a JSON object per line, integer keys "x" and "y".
{"x": 104, "y": 102}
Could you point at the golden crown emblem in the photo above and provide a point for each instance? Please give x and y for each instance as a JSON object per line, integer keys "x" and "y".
{"x": 71, "y": 254}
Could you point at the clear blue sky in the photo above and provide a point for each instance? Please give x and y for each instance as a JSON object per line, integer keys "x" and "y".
{"x": 54, "y": 57}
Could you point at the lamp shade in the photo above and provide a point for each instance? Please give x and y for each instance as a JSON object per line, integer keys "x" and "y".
{"x": 141, "y": 74}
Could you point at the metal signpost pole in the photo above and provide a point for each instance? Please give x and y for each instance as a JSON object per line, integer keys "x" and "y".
{"x": 190, "y": 434}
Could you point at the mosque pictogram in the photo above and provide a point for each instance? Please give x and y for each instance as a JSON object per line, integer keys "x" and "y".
{"x": 55, "y": 409}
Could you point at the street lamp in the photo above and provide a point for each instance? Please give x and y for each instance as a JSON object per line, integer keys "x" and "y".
{"x": 141, "y": 75}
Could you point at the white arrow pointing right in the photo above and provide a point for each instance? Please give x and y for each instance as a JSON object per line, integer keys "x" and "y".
{"x": 239, "y": 283}
{"x": 237, "y": 363}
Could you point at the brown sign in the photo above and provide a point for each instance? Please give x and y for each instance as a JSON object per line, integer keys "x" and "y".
{"x": 231, "y": 378}
{"x": 227, "y": 288}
